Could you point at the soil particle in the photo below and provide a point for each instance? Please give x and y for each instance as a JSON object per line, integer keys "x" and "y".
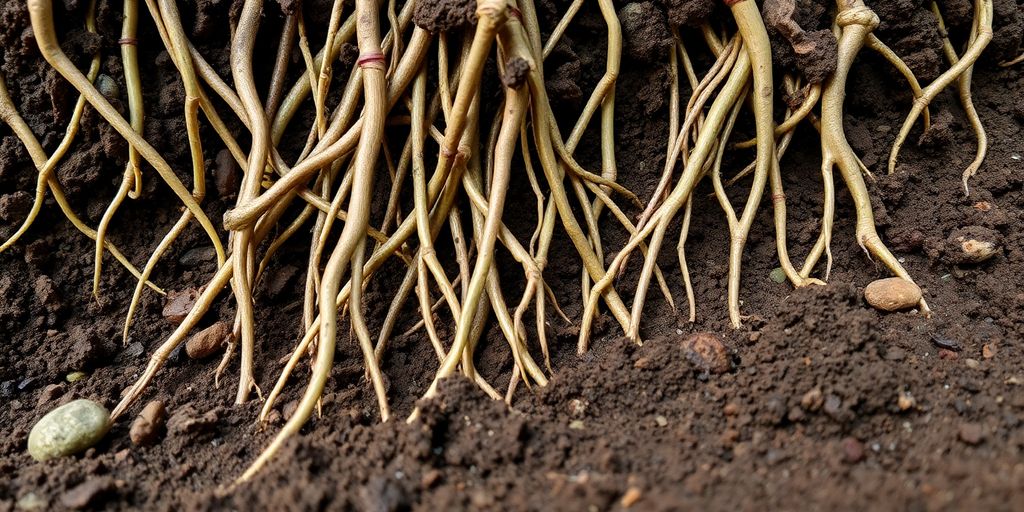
{"x": 562, "y": 70}
{"x": 281, "y": 281}
{"x": 225, "y": 175}
{"x": 149, "y": 425}
{"x": 15, "y": 206}
{"x": 1007, "y": 30}
{"x": 853, "y": 450}
{"x": 645, "y": 31}
{"x": 909, "y": 28}
{"x": 971, "y": 433}
{"x": 813, "y": 52}
{"x": 88, "y": 349}
{"x": 178, "y": 304}
{"x": 989, "y": 350}
{"x": 88, "y": 494}
{"x": 187, "y": 427}
{"x": 947, "y": 343}
{"x": 942, "y": 130}
{"x": 707, "y": 352}
{"x": 688, "y": 12}
{"x": 50, "y": 393}
{"x": 187, "y": 421}
{"x": 208, "y": 341}
{"x": 444, "y": 15}
{"x": 47, "y": 296}
{"x": 198, "y": 257}
{"x": 516, "y": 71}
{"x": 905, "y": 401}
{"x": 956, "y": 13}
{"x": 631, "y": 497}
{"x": 971, "y": 245}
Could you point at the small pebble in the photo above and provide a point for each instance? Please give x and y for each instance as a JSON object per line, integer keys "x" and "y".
{"x": 68, "y": 429}
{"x": 778, "y": 275}
{"x": 812, "y": 400}
{"x": 971, "y": 245}
{"x": 430, "y": 478}
{"x": 75, "y": 376}
{"x": 946, "y": 343}
{"x": 632, "y": 496}
{"x": 289, "y": 409}
{"x": 971, "y": 433}
{"x": 26, "y": 383}
{"x": 88, "y": 493}
{"x": 972, "y": 363}
{"x": 147, "y": 427}
{"x": 178, "y": 304}
{"x": 577, "y": 407}
{"x": 31, "y": 501}
{"x": 134, "y": 350}
{"x": 576, "y": 424}
{"x": 198, "y": 256}
{"x": 225, "y": 175}
{"x": 51, "y": 393}
{"x": 906, "y": 401}
{"x": 977, "y": 251}
{"x": 988, "y": 351}
{"x": 853, "y": 450}
{"x": 208, "y": 341}
{"x": 661, "y": 420}
{"x": 729, "y": 437}
{"x": 892, "y": 294}
{"x": 122, "y": 456}
{"x": 708, "y": 352}
{"x": 108, "y": 87}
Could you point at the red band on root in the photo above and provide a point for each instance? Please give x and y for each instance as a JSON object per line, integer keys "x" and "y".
{"x": 776, "y": 198}
{"x": 730, "y": 3}
{"x": 375, "y": 59}
{"x": 131, "y": 41}
{"x": 515, "y": 13}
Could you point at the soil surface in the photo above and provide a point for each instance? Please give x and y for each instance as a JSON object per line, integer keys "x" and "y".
{"x": 826, "y": 404}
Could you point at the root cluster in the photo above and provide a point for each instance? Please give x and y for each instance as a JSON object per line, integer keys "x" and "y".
{"x": 419, "y": 84}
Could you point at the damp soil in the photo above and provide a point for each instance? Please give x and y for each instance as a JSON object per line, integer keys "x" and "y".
{"x": 826, "y": 404}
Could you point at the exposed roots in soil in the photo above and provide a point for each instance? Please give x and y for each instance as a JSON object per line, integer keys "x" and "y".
{"x": 422, "y": 82}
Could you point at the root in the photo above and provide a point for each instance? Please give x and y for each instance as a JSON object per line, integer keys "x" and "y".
{"x": 981, "y": 35}
{"x": 455, "y": 171}
{"x": 964, "y": 86}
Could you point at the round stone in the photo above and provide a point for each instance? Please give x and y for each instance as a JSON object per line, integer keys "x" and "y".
{"x": 892, "y": 294}
{"x": 69, "y": 429}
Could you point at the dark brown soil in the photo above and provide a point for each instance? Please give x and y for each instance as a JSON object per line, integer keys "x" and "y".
{"x": 828, "y": 404}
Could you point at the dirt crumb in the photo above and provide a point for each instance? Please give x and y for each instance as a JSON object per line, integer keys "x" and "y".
{"x": 688, "y": 12}
{"x": 645, "y": 31}
{"x": 516, "y": 70}
{"x": 444, "y": 15}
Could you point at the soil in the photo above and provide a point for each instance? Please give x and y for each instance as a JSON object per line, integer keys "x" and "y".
{"x": 825, "y": 403}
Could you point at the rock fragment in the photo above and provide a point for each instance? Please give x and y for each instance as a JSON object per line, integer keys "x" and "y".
{"x": 707, "y": 352}
{"x": 208, "y": 341}
{"x": 178, "y": 304}
{"x": 146, "y": 429}
{"x": 892, "y": 294}
{"x": 68, "y": 429}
